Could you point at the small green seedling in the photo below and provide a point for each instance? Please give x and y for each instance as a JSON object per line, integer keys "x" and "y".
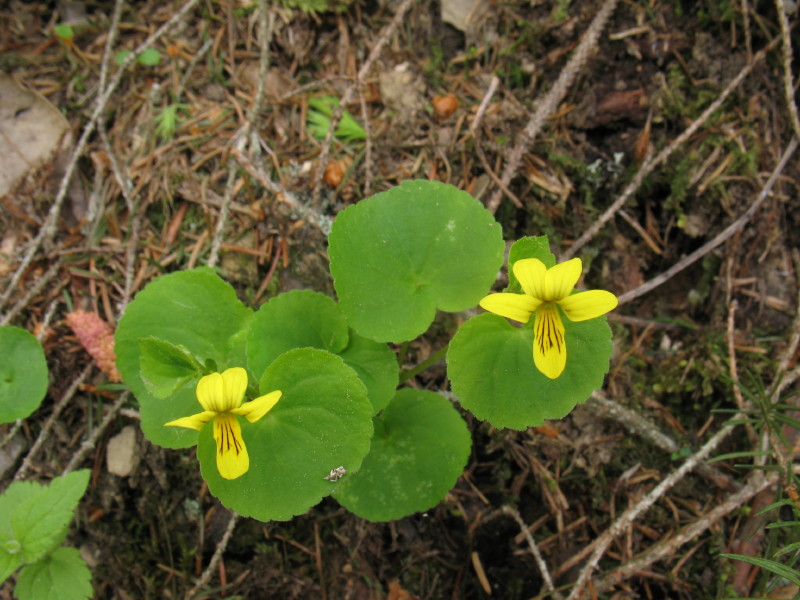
{"x": 319, "y": 121}
{"x": 149, "y": 58}
{"x": 34, "y": 520}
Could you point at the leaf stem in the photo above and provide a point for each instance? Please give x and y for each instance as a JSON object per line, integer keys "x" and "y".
{"x": 407, "y": 374}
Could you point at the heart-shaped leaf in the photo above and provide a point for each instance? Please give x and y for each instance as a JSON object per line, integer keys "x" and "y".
{"x": 195, "y": 310}
{"x": 398, "y": 256}
{"x": 322, "y": 421}
{"x": 307, "y": 319}
{"x": 420, "y": 447}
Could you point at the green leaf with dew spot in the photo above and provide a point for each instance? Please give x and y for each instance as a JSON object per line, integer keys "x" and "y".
{"x": 420, "y": 447}
{"x": 399, "y": 255}
{"x": 195, "y": 310}
{"x": 23, "y": 374}
{"x": 322, "y": 421}
{"x": 307, "y": 319}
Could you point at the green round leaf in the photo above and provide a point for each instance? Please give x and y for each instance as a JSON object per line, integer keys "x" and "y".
{"x": 307, "y": 319}
{"x": 149, "y": 58}
{"x": 200, "y": 314}
{"x": 398, "y": 256}
{"x": 321, "y": 422}
{"x": 490, "y": 366}
{"x": 420, "y": 447}
{"x": 23, "y": 374}
{"x": 64, "y": 31}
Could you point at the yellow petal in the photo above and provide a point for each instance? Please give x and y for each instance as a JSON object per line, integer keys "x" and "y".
{"x": 255, "y": 409}
{"x": 234, "y": 385}
{"x": 519, "y": 307}
{"x": 549, "y": 345}
{"x": 209, "y": 392}
{"x": 195, "y": 422}
{"x": 530, "y": 272}
{"x": 232, "y": 458}
{"x": 561, "y": 279}
{"x": 588, "y": 305}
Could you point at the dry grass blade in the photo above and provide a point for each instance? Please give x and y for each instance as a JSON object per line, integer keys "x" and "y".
{"x": 547, "y": 105}
{"x": 650, "y": 165}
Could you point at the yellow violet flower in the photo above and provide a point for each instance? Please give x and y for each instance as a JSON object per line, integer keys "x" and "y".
{"x": 544, "y": 289}
{"x": 221, "y": 395}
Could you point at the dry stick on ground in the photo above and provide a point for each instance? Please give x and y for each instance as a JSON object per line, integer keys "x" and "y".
{"x": 265, "y": 22}
{"x": 537, "y": 556}
{"x": 212, "y": 564}
{"x": 728, "y": 232}
{"x": 48, "y": 228}
{"x": 548, "y": 105}
{"x": 303, "y": 211}
{"x": 32, "y": 291}
{"x": 48, "y": 424}
{"x": 347, "y": 97}
{"x": 756, "y": 482}
{"x": 639, "y": 425}
{"x": 600, "y": 545}
{"x": 473, "y": 128}
{"x": 788, "y": 80}
{"x": 650, "y": 165}
{"x": 90, "y": 442}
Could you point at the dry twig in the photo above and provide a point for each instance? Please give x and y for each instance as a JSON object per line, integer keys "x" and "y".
{"x": 349, "y": 93}
{"x": 650, "y": 165}
{"x": 48, "y": 228}
{"x": 786, "y": 54}
{"x": 547, "y": 105}
{"x": 205, "y": 577}
{"x": 724, "y": 235}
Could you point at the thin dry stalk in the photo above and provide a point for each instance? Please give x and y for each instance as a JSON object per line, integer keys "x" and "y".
{"x": 650, "y": 165}
{"x": 479, "y": 149}
{"x": 349, "y": 93}
{"x": 724, "y": 235}
{"x": 48, "y": 424}
{"x": 205, "y": 577}
{"x": 665, "y": 548}
{"x": 48, "y": 228}
{"x": 600, "y": 545}
{"x": 303, "y": 211}
{"x": 89, "y": 444}
{"x": 537, "y": 556}
{"x": 35, "y": 289}
{"x": 266, "y": 21}
{"x": 548, "y": 105}
{"x": 639, "y": 425}
{"x": 786, "y": 54}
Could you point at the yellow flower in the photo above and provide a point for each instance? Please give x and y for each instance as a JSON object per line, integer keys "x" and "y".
{"x": 221, "y": 395}
{"x": 544, "y": 289}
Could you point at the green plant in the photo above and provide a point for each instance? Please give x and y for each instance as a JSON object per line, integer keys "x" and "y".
{"x": 23, "y": 374}
{"x": 149, "y": 58}
{"x": 319, "y": 120}
{"x": 34, "y": 520}
{"x": 773, "y": 421}
{"x": 324, "y": 414}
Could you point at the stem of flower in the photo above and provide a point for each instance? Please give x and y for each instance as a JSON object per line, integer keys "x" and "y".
{"x": 407, "y": 374}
